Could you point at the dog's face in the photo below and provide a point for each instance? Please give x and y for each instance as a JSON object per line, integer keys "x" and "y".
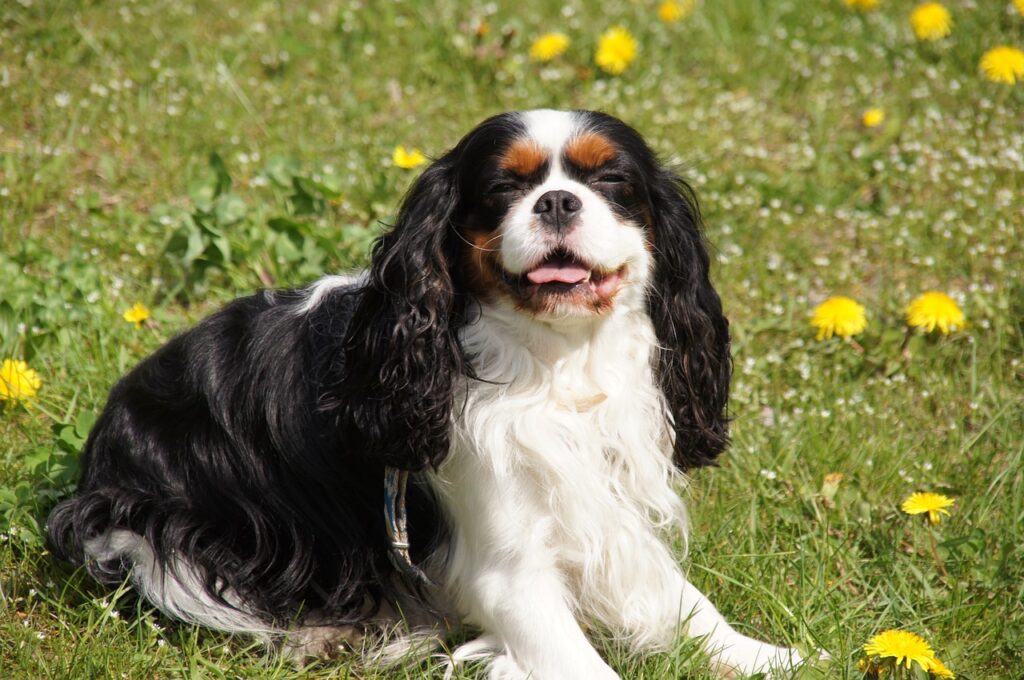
{"x": 554, "y": 213}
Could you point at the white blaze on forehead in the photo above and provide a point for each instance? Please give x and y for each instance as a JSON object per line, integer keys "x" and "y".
{"x": 551, "y": 130}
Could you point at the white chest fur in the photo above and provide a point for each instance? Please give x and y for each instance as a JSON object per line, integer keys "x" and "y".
{"x": 561, "y": 457}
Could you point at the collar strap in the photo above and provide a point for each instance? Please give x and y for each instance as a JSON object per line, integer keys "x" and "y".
{"x": 395, "y": 483}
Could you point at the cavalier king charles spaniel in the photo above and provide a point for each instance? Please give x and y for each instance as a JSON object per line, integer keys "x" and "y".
{"x": 535, "y": 354}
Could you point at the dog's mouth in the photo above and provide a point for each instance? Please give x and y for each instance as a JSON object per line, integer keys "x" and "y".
{"x": 564, "y": 274}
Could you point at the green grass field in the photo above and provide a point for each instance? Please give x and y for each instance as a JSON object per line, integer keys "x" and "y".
{"x": 180, "y": 153}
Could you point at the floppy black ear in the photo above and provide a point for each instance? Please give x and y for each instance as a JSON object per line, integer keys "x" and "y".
{"x": 693, "y": 363}
{"x": 402, "y": 354}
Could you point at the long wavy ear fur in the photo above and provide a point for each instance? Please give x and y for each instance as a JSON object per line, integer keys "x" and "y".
{"x": 693, "y": 365}
{"x": 402, "y": 355}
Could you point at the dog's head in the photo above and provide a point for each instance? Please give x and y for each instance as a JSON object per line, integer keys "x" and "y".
{"x": 555, "y": 213}
{"x": 564, "y": 216}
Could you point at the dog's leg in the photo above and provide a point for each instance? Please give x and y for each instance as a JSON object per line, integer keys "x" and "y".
{"x": 641, "y": 592}
{"x": 504, "y": 575}
{"x": 732, "y": 654}
{"x": 527, "y": 612}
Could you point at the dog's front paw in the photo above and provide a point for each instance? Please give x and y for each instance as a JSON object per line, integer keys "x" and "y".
{"x": 503, "y": 667}
{"x": 740, "y": 656}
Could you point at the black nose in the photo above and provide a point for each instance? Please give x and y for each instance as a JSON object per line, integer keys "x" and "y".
{"x": 557, "y": 208}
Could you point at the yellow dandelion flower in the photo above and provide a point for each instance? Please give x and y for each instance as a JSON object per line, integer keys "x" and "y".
{"x": 1019, "y": 4}
{"x": 136, "y": 314}
{"x": 931, "y": 21}
{"x": 903, "y": 646}
{"x": 934, "y": 504}
{"x": 549, "y": 46}
{"x": 872, "y": 118}
{"x": 839, "y": 315}
{"x": 18, "y": 382}
{"x": 862, "y": 5}
{"x": 935, "y": 310}
{"x": 938, "y": 669}
{"x": 616, "y": 49}
{"x": 1003, "y": 65}
{"x": 407, "y": 160}
{"x": 672, "y": 11}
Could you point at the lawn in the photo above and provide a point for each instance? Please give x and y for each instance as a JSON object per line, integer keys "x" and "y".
{"x": 178, "y": 154}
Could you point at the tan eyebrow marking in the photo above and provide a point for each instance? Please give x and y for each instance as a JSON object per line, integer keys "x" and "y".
{"x": 590, "y": 150}
{"x": 523, "y": 157}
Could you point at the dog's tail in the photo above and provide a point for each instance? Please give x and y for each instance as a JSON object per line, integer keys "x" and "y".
{"x": 79, "y": 532}
{"x": 76, "y": 521}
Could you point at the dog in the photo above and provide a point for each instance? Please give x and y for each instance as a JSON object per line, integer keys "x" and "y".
{"x": 486, "y": 429}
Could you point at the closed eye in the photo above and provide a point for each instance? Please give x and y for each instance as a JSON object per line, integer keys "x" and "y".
{"x": 610, "y": 178}
{"x": 503, "y": 188}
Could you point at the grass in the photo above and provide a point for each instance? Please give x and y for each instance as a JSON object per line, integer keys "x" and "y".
{"x": 180, "y": 154}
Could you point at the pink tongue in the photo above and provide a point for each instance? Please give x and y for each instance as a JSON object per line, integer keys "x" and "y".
{"x": 567, "y": 273}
